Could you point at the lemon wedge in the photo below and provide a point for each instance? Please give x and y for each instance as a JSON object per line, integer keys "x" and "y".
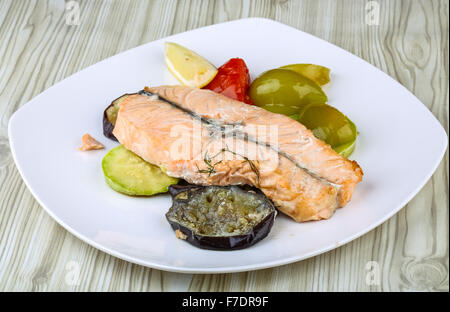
{"x": 187, "y": 66}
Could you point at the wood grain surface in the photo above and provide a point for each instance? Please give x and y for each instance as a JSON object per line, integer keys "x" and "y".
{"x": 38, "y": 48}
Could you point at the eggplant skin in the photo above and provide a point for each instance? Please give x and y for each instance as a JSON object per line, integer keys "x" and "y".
{"x": 108, "y": 127}
{"x": 235, "y": 242}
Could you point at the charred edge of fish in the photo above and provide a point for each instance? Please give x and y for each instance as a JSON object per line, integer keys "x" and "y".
{"x": 110, "y": 116}
{"x": 243, "y": 135}
{"x": 220, "y": 217}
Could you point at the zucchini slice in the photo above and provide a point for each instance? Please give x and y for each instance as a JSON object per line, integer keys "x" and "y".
{"x": 220, "y": 217}
{"x": 110, "y": 116}
{"x": 127, "y": 173}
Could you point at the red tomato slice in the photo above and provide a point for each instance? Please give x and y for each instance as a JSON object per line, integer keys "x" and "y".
{"x": 232, "y": 80}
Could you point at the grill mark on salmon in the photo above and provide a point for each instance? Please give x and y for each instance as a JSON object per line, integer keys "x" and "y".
{"x": 214, "y": 123}
{"x": 309, "y": 182}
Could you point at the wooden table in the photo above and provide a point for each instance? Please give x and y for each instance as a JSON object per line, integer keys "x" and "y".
{"x": 38, "y": 48}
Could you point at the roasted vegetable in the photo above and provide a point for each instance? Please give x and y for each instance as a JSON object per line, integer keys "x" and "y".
{"x": 110, "y": 116}
{"x": 318, "y": 74}
{"x": 220, "y": 217}
{"x": 232, "y": 80}
{"x": 330, "y": 125}
{"x": 285, "y": 91}
{"x": 127, "y": 173}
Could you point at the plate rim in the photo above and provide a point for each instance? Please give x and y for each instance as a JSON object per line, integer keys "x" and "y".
{"x": 242, "y": 268}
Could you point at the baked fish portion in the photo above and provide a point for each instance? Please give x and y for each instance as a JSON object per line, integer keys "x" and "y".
{"x": 209, "y": 139}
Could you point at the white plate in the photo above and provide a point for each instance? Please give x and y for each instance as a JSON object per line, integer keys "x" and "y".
{"x": 399, "y": 147}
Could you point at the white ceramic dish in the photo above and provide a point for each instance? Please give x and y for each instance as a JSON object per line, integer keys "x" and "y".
{"x": 399, "y": 147}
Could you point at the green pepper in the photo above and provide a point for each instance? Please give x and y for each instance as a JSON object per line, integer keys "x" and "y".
{"x": 318, "y": 74}
{"x": 285, "y": 91}
{"x": 331, "y": 126}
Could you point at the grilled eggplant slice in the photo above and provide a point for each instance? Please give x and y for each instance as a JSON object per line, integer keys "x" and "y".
{"x": 110, "y": 116}
{"x": 220, "y": 217}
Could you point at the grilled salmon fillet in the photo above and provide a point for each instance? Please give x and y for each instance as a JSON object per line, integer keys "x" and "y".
{"x": 209, "y": 139}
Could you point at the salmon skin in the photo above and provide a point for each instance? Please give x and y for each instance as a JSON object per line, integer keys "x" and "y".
{"x": 209, "y": 139}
